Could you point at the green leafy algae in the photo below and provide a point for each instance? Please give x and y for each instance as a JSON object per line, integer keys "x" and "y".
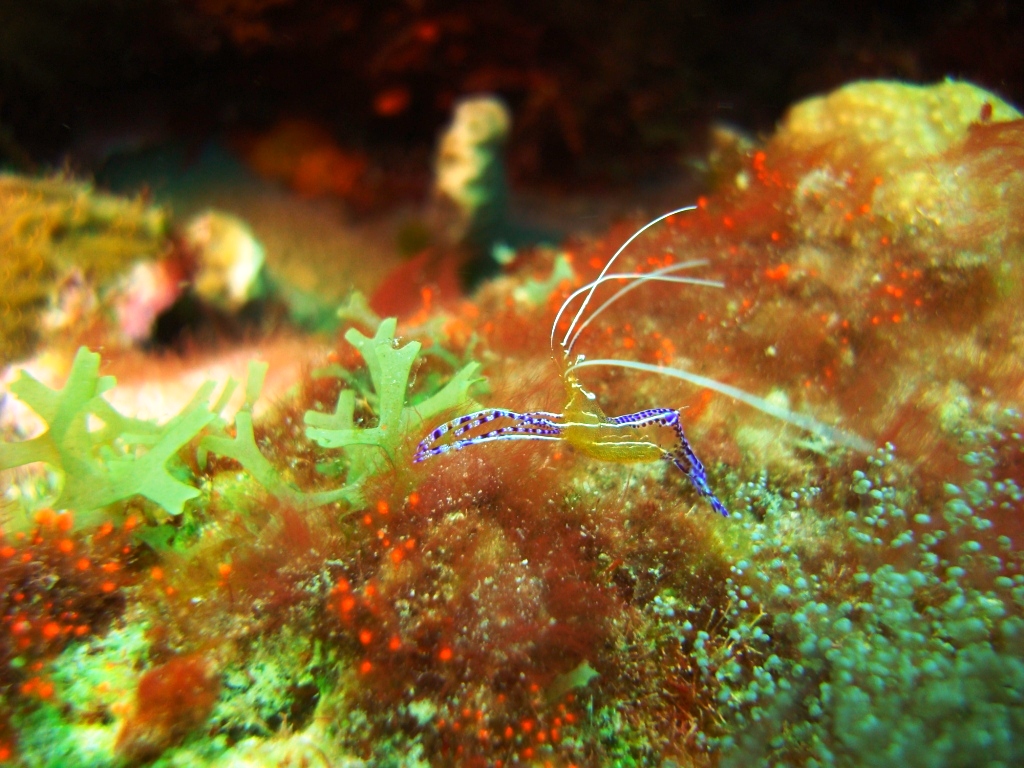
{"x": 370, "y": 450}
{"x": 123, "y": 457}
{"x": 104, "y": 456}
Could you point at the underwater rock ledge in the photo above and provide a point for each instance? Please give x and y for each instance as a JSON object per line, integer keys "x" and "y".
{"x": 518, "y": 604}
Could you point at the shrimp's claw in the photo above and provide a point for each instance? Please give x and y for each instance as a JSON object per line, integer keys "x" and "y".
{"x": 536, "y": 425}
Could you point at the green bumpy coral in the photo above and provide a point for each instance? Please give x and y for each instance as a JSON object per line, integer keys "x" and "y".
{"x": 922, "y": 667}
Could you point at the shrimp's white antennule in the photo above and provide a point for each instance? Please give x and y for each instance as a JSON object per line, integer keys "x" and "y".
{"x": 636, "y": 279}
{"x": 802, "y": 420}
{"x": 607, "y": 266}
{"x": 658, "y": 275}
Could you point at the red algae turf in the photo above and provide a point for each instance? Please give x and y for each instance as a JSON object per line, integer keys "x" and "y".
{"x": 171, "y": 700}
{"x": 56, "y": 587}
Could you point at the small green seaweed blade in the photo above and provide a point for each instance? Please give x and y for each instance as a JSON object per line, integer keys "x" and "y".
{"x": 121, "y": 458}
{"x": 368, "y": 451}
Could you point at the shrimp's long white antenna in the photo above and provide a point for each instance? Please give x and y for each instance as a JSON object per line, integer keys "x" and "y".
{"x": 802, "y": 420}
{"x": 657, "y": 276}
{"x": 607, "y": 266}
{"x": 629, "y": 276}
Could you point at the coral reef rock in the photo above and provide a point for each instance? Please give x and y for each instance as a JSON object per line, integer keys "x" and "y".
{"x": 470, "y": 173}
{"x": 64, "y": 246}
{"x": 229, "y": 271}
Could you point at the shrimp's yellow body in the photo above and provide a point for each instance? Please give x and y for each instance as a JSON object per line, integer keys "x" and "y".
{"x": 588, "y": 430}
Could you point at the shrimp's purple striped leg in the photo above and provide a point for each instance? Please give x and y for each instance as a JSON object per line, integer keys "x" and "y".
{"x": 535, "y": 425}
{"x": 683, "y": 456}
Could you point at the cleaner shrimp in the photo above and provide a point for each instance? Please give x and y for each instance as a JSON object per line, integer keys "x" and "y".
{"x": 582, "y": 424}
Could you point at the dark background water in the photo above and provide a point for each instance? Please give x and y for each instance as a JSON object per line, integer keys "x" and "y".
{"x": 601, "y": 91}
